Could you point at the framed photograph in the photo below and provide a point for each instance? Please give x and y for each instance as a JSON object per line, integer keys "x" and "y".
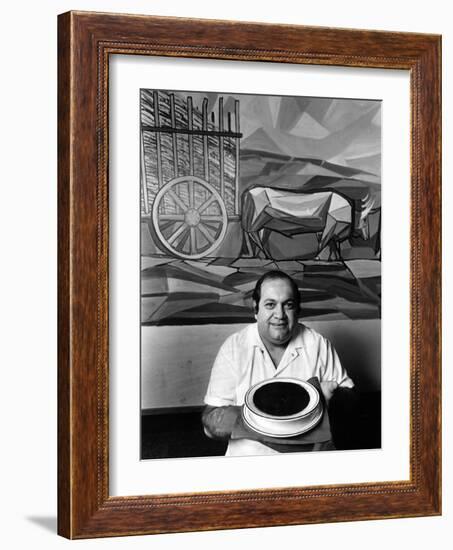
{"x": 249, "y": 275}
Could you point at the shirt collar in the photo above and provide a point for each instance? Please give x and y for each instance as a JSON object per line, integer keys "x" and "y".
{"x": 294, "y": 344}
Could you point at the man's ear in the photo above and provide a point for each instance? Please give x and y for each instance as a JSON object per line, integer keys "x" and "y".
{"x": 255, "y": 309}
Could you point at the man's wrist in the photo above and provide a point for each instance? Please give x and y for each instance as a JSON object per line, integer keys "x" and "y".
{"x": 219, "y": 422}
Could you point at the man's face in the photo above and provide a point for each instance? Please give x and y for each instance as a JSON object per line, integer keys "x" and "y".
{"x": 277, "y": 312}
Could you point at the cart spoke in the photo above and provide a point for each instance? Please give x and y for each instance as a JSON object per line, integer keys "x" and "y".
{"x": 193, "y": 242}
{"x": 209, "y": 218}
{"x": 191, "y": 194}
{"x": 205, "y": 232}
{"x": 178, "y": 200}
{"x": 166, "y": 225}
{"x": 211, "y": 227}
{"x": 183, "y": 240}
{"x": 206, "y": 204}
{"x": 171, "y": 217}
{"x": 177, "y": 233}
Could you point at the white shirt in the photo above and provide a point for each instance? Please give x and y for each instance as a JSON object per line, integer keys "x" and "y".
{"x": 243, "y": 361}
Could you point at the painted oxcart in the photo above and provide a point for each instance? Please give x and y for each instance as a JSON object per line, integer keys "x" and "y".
{"x": 189, "y": 171}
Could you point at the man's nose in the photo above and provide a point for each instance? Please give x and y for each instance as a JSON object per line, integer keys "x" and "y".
{"x": 279, "y": 311}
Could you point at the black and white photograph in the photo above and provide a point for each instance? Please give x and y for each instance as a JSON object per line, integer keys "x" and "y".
{"x": 260, "y": 273}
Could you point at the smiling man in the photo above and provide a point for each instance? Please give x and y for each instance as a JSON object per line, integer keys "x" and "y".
{"x": 275, "y": 346}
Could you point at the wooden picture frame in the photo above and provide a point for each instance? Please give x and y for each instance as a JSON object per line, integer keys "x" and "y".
{"x": 85, "y": 508}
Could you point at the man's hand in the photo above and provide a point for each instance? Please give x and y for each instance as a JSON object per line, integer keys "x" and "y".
{"x": 219, "y": 422}
{"x": 328, "y": 387}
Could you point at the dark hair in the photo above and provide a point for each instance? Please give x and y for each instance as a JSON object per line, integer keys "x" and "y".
{"x": 273, "y": 276}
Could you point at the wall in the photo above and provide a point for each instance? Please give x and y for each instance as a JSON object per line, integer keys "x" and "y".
{"x": 29, "y": 264}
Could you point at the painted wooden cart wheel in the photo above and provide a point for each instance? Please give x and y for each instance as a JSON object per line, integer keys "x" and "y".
{"x": 189, "y": 217}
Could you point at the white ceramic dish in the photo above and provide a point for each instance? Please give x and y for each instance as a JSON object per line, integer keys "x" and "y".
{"x": 271, "y": 418}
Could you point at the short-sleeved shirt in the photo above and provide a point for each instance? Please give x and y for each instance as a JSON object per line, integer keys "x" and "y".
{"x": 243, "y": 361}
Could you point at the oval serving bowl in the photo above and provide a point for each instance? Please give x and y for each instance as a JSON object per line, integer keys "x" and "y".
{"x": 282, "y": 407}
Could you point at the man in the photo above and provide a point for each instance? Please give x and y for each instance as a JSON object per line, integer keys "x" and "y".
{"x": 275, "y": 346}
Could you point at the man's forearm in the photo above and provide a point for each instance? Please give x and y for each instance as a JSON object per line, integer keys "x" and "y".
{"x": 219, "y": 421}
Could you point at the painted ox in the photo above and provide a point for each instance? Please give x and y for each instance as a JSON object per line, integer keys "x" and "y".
{"x": 272, "y": 213}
